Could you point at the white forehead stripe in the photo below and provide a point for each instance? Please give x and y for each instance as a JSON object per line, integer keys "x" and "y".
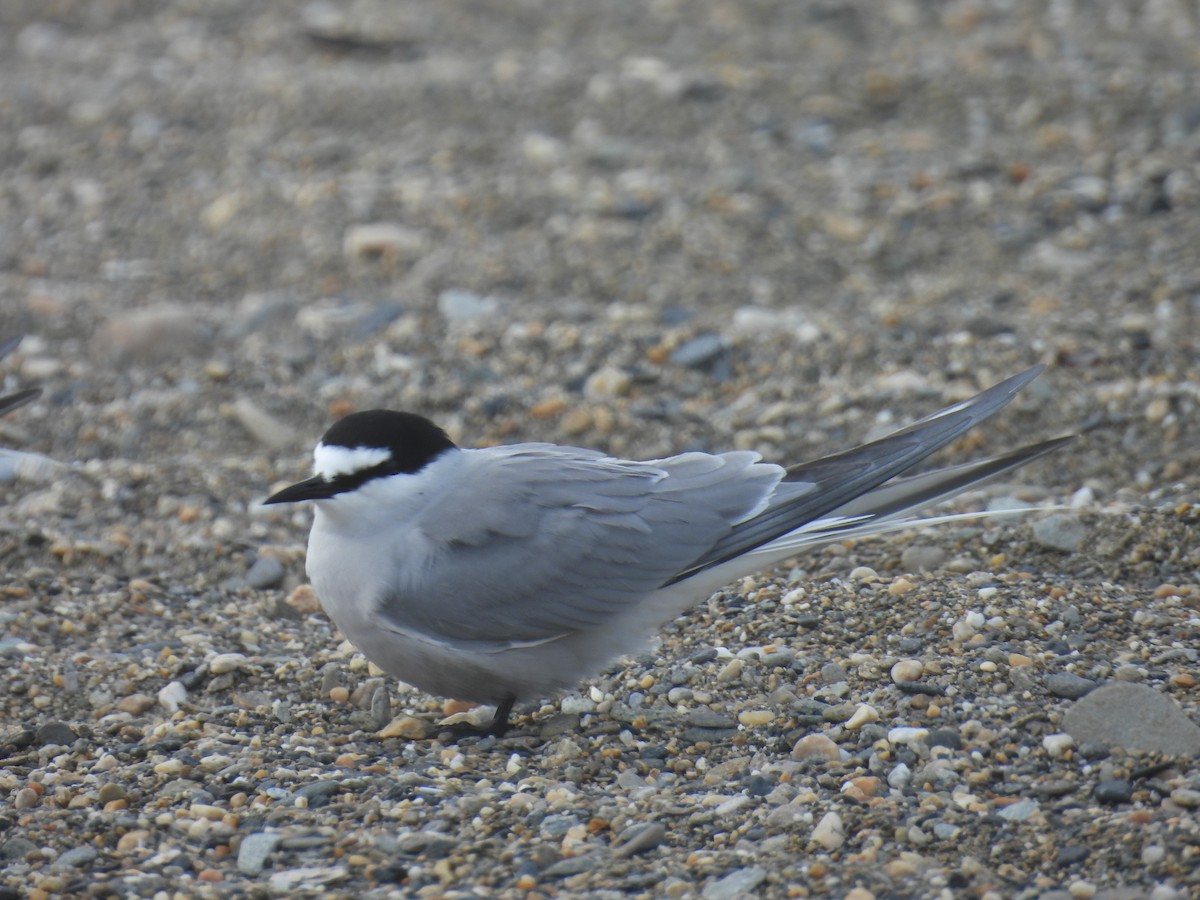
{"x": 331, "y": 461}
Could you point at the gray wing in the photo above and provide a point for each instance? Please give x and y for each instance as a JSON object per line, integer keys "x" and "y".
{"x": 816, "y": 488}
{"x": 537, "y": 541}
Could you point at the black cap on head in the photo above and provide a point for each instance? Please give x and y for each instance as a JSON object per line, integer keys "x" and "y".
{"x": 367, "y": 445}
{"x": 411, "y": 440}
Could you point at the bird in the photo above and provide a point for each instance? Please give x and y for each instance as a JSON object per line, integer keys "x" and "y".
{"x": 20, "y": 398}
{"x": 506, "y": 574}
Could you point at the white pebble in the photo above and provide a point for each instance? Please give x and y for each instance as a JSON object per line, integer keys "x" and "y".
{"x": 226, "y": 662}
{"x": 864, "y": 715}
{"x": 1082, "y": 890}
{"x": 907, "y": 734}
{"x": 907, "y": 670}
{"x": 900, "y": 777}
{"x": 171, "y": 696}
{"x": 864, "y": 574}
{"x": 829, "y": 832}
{"x": 1057, "y": 745}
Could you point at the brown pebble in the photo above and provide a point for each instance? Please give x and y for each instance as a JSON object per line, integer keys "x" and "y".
{"x": 304, "y": 600}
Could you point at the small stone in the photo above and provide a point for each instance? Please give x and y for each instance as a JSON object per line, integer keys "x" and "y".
{"x": 57, "y": 733}
{"x": 1114, "y": 790}
{"x": 135, "y": 704}
{"x": 382, "y": 239}
{"x": 699, "y": 352}
{"x": 829, "y": 832}
{"x": 816, "y": 746}
{"x": 862, "y": 788}
{"x": 922, "y": 558}
{"x": 639, "y": 838}
{"x": 907, "y": 734}
{"x": 1020, "y": 811}
{"x": 864, "y": 575}
{"x": 267, "y": 572}
{"x": 1058, "y": 745}
{"x": 738, "y": 883}
{"x": 1061, "y": 531}
{"x": 171, "y": 696}
{"x": 76, "y": 858}
{"x": 304, "y": 600}
{"x": 607, "y": 383}
{"x": 268, "y": 430}
{"x": 863, "y": 715}
{"x": 224, "y": 663}
{"x": 1082, "y": 890}
{"x": 408, "y": 727}
{"x": 731, "y": 671}
{"x": 109, "y": 792}
{"x": 754, "y": 718}
{"x": 907, "y": 670}
{"x": 900, "y": 777}
{"x": 1188, "y": 798}
{"x": 1068, "y": 685}
{"x": 1134, "y": 717}
{"x": 456, "y": 305}
{"x": 152, "y": 334}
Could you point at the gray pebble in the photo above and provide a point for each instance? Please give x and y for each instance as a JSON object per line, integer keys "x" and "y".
{"x": 737, "y": 883}
{"x": 1114, "y": 790}
{"x": 267, "y": 572}
{"x": 318, "y": 792}
{"x": 1068, "y": 685}
{"x": 572, "y": 865}
{"x": 698, "y": 352}
{"x": 56, "y": 733}
{"x": 1135, "y": 717}
{"x": 1019, "y": 811}
{"x": 76, "y": 858}
{"x": 639, "y": 838}
{"x": 922, "y": 558}
{"x": 465, "y": 306}
{"x": 254, "y": 850}
{"x": 1061, "y": 531}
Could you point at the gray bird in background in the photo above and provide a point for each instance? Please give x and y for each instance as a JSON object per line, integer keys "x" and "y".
{"x": 12, "y": 401}
{"x": 504, "y": 574}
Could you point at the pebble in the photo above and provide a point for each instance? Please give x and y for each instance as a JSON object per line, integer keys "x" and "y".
{"x": 906, "y": 670}
{"x": 1068, "y": 685}
{"x": 76, "y": 858}
{"x": 1060, "y": 531}
{"x": 171, "y": 696}
{"x": 224, "y": 663}
{"x": 816, "y": 746}
{"x": 461, "y": 306}
{"x": 829, "y": 832}
{"x": 922, "y": 558}
{"x": 152, "y": 334}
{"x": 1132, "y": 716}
{"x": 863, "y": 715}
{"x": 699, "y": 352}
{"x": 407, "y": 727}
{"x": 639, "y": 838}
{"x": 738, "y": 883}
{"x": 270, "y": 431}
{"x": 1188, "y": 798}
{"x": 1058, "y": 745}
{"x": 607, "y": 383}
{"x": 387, "y": 239}
{"x": 1113, "y": 790}
{"x": 1020, "y": 811}
{"x": 267, "y": 572}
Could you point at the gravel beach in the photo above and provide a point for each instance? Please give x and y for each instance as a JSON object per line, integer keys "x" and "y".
{"x": 646, "y": 228}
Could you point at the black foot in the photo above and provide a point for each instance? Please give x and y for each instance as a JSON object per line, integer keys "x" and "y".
{"x": 495, "y": 728}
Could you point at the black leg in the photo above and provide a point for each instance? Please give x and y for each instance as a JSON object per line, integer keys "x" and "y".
{"x": 495, "y": 728}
